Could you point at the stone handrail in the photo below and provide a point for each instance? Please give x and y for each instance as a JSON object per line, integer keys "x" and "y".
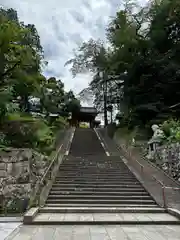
{"x": 36, "y": 196}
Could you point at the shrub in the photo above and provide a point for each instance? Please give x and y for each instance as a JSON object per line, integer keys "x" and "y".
{"x": 21, "y": 131}
{"x": 44, "y": 138}
{"x": 60, "y": 123}
{"x": 171, "y": 129}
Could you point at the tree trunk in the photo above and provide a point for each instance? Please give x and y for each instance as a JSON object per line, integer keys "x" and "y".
{"x": 105, "y": 101}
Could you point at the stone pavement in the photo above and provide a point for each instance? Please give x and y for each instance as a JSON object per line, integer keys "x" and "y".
{"x": 112, "y": 232}
{"x": 7, "y": 228}
{"x": 105, "y": 217}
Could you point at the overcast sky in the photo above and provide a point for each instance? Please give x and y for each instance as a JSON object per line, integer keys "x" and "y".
{"x": 62, "y": 24}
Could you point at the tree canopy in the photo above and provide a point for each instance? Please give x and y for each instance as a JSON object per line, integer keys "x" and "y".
{"x": 21, "y": 61}
{"x": 143, "y": 49}
{"x": 23, "y": 88}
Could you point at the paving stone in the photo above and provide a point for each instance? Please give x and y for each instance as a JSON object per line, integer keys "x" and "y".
{"x": 168, "y": 233}
{"x": 97, "y": 229}
{"x": 12, "y": 220}
{"x": 7, "y": 228}
{"x": 152, "y": 235}
{"x": 116, "y": 232}
{"x": 130, "y": 229}
{"x": 81, "y": 233}
{"x": 107, "y": 217}
{"x": 138, "y": 232}
{"x": 86, "y": 217}
{"x": 43, "y": 217}
{"x": 25, "y": 232}
{"x": 43, "y": 233}
{"x": 63, "y": 233}
{"x": 172, "y": 229}
{"x": 128, "y": 217}
{"x": 72, "y": 217}
{"x": 99, "y": 236}
{"x": 142, "y": 217}
{"x": 136, "y": 236}
{"x": 56, "y": 217}
{"x": 99, "y": 233}
{"x": 162, "y": 217}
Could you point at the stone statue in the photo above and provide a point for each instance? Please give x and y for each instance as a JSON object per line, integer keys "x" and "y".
{"x": 155, "y": 141}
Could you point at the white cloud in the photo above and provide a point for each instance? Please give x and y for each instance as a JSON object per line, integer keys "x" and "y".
{"x": 61, "y": 26}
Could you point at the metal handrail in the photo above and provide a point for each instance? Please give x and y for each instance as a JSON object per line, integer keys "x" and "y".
{"x": 163, "y": 186}
{"x": 50, "y": 166}
{"x": 158, "y": 181}
{"x": 42, "y": 182}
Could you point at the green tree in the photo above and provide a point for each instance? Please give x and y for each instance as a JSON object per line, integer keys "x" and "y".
{"x": 52, "y": 95}
{"x": 144, "y": 44}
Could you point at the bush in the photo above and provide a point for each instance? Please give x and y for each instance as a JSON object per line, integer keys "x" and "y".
{"x": 171, "y": 129}
{"x": 60, "y": 123}
{"x": 44, "y": 138}
{"x": 19, "y": 131}
{"x": 25, "y": 131}
{"x": 83, "y": 125}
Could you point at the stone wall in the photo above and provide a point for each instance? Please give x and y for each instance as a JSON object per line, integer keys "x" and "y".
{"x": 20, "y": 171}
{"x": 166, "y": 157}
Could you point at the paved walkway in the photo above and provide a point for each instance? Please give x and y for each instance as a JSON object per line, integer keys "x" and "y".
{"x": 107, "y": 217}
{"x": 96, "y": 233}
{"x": 7, "y": 228}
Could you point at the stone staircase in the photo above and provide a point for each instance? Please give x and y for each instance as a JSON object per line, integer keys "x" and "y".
{"x": 92, "y": 188}
{"x": 97, "y": 182}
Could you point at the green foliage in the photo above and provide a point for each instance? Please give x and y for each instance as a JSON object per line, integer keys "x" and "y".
{"x": 19, "y": 131}
{"x": 44, "y": 138}
{"x": 144, "y": 50}
{"x": 26, "y": 131}
{"x": 171, "y": 130}
{"x": 83, "y": 125}
{"x": 23, "y": 89}
{"x": 60, "y": 123}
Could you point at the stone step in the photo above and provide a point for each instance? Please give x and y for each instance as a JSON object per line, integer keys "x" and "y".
{"x": 96, "y": 163}
{"x": 102, "y": 205}
{"x": 100, "y": 164}
{"x": 119, "y": 178}
{"x": 98, "y": 197}
{"x": 115, "y": 169}
{"x": 97, "y": 181}
{"x": 107, "y": 181}
{"x": 95, "y": 172}
{"x": 105, "y": 201}
{"x": 105, "y": 174}
{"x": 97, "y": 186}
{"x": 75, "y": 192}
{"x": 106, "y": 218}
{"x": 97, "y": 167}
{"x": 90, "y": 159}
{"x": 109, "y": 209}
{"x": 95, "y": 190}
